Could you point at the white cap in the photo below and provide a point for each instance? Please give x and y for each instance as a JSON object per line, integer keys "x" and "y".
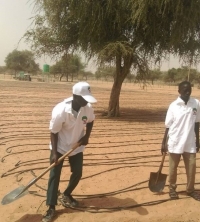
{"x": 83, "y": 89}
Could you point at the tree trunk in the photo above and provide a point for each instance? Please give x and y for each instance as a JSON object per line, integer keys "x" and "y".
{"x": 67, "y": 76}
{"x": 61, "y": 77}
{"x": 113, "y": 109}
{"x": 72, "y": 76}
{"x": 121, "y": 73}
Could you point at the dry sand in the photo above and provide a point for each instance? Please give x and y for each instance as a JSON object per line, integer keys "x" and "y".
{"x": 117, "y": 162}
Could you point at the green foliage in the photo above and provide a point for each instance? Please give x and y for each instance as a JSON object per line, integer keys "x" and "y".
{"x": 126, "y": 33}
{"x": 111, "y": 28}
{"x": 105, "y": 72}
{"x": 21, "y": 61}
{"x": 130, "y": 77}
{"x": 2, "y": 69}
{"x": 68, "y": 65}
{"x": 185, "y": 73}
{"x": 171, "y": 75}
{"x": 84, "y": 75}
{"x": 154, "y": 75}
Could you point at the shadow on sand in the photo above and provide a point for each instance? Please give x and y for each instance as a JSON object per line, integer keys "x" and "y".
{"x": 95, "y": 205}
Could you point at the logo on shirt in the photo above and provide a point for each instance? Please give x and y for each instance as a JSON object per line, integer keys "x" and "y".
{"x": 84, "y": 119}
{"x": 194, "y": 111}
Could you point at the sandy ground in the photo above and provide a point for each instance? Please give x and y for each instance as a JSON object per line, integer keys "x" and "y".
{"x": 117, "y": 162}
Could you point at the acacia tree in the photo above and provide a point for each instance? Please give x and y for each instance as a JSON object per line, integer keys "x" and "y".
{"x": 69, "y": 65}
{"x": 154, "y": 75}
{"x": 21, "y": 61}
{"x": 105, "y": 72}
{"x": 125, "y": 33}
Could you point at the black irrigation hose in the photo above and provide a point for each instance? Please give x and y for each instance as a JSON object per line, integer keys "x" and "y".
{"x": 95, "y": 209}
{"x": 27, "y": 151}
{"x": 111, "y": 209}
{"x": 104, "y": 209}
{"x": 25, "y": 135}
{"x": 9, "y": 149}
{"x": 7, "y": 141}
{"x": 30, "y": 161}
{"x": 95, "y": 164}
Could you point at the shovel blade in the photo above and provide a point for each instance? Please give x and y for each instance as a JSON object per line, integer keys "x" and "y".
{"x": 157, "y": 182}
{"x": 14, "y": 195}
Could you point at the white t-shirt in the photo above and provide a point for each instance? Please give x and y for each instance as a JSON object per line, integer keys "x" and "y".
{"x": 70, "y": 125}
{"x": 180, "y": 120}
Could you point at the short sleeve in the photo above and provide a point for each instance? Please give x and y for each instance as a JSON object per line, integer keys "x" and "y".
{"x": 57, "y": 119}
{"x": 169, "y": 117}
{"x": 91, "y": 116}
{"x": 198, "y": 111}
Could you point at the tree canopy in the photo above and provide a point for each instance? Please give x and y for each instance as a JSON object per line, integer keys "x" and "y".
{"x": 184, "y": 73}
{"x": 69, "y": 65}
{"x": 21, "y": 61}
{"x": 106, "y": 72}
{"x": 126, "y": 33}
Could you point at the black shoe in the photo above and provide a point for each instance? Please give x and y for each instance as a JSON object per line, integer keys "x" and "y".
{"x": 68, "y": 200}
{"x": 50, "y": 214}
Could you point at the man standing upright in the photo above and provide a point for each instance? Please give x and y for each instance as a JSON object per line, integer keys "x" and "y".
{"x": 182, "y": 131}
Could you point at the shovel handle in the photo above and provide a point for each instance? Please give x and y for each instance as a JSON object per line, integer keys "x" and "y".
{"x": 51, "y": 166}
{"x": 160, "y": 168}
{"x": 163, "y": 157}
{"x": 162, "y": 162}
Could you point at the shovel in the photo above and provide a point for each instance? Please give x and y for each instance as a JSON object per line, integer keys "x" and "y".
{"x": 23, "y": 190}
{"x": 157, "y": 180}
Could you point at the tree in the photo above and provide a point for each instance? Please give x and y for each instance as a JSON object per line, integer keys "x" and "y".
{"x": 56, "y": 69}
{"x": 171, "y": 75}
{"x": 84, "y": 75}
{"x": 186, "y": 73}
{"x": 154, "y": 75}
{"x": 125, "y": 33}
{"x": 21, "y": 61}
{"x": 2, "y": 69}
{"x": 106, "y": 72}
{"x": 69, "y": 65}
{"x": 181, "y": 74}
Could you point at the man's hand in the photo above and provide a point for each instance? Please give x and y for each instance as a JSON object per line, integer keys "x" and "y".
{"x": 54, "y": 158}
{"x": 164, "y": 148}
{"x": 196, "y": 129}
{"x": 197, "y": 147}
{"x": 84, "y": 140}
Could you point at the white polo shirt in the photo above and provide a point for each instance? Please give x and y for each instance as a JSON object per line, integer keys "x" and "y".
{"x": 180, "y": 120}
{"x": 69, "y": 126}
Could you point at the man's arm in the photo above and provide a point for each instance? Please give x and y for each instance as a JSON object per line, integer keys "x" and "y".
{"x": 196, "y": 129}
{"x": 84, "y": 140}
{"x": 164, "y": 142}
{"x": 89, "y": 127}
{"x": 54, "y": 142}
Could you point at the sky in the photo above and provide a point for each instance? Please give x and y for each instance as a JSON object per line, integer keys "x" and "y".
{"x": 15, "y": 19}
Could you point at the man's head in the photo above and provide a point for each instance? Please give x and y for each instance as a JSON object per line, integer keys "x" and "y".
{"x": 82, "y": 94}
{"x": 185, "y": 89}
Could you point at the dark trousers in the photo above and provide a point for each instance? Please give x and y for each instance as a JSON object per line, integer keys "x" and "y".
{"x": 76, "y": 164}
